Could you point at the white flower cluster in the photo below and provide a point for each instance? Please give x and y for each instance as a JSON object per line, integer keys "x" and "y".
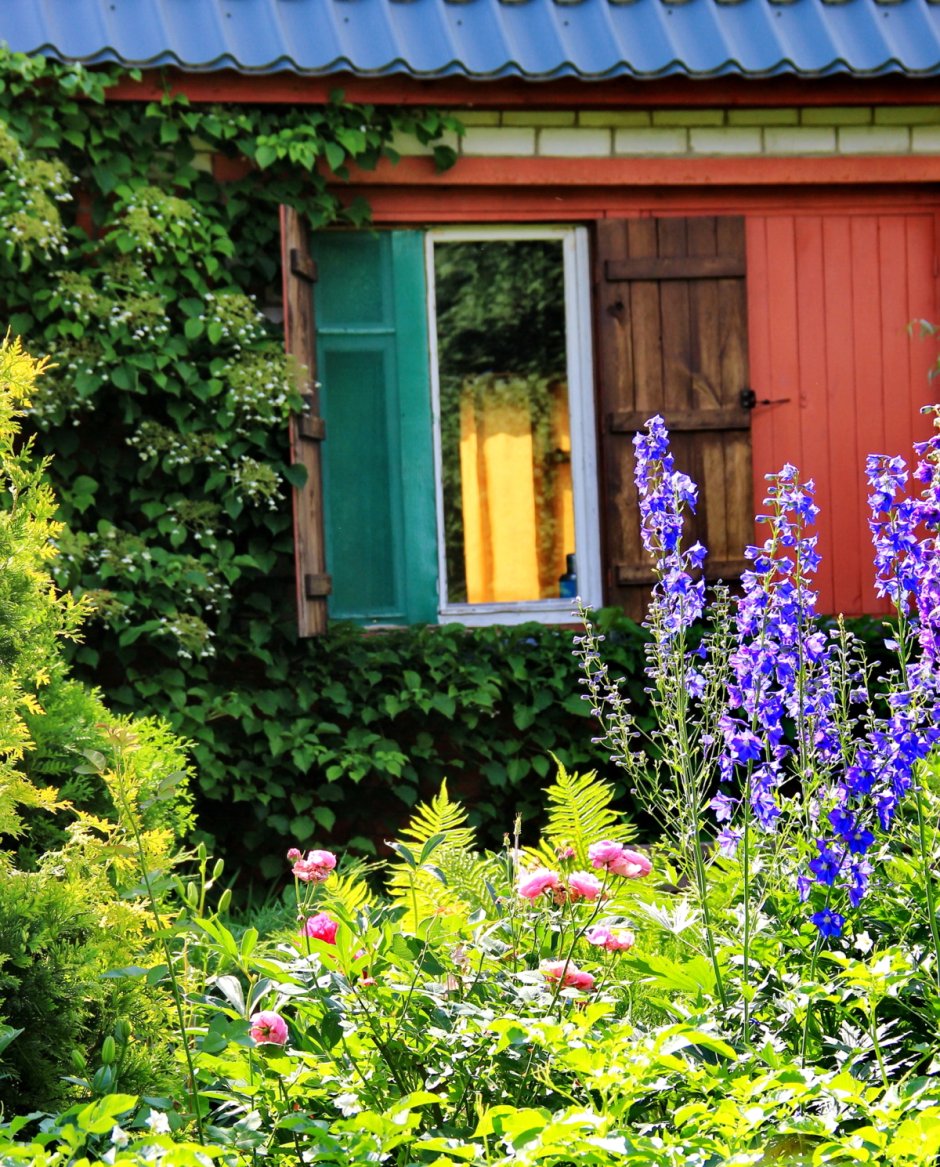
{"x": 153, "y": 440}
{"x": 257, "y": 482}
{"x": 30, "y": 189}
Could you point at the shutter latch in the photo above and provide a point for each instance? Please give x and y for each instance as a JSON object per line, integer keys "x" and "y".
{"x": 749, "y": 399}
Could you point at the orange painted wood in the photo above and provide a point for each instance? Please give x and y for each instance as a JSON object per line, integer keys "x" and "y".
{"x": 226, "y": 169}
{"x": 868, "y": 312}
{"x": 830, "y": 298}
{"x": 283, "y": 88}
{"x": 763, "y": 170}
{"x": 814, "y": 417}
{"x": 896, "y": 356}
{"x": 840, "y": 421}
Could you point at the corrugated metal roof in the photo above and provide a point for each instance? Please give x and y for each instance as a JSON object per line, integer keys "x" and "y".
{"x": 482, "y": 39}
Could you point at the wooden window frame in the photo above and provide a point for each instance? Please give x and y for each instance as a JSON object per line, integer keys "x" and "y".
{"x": 581, "y": 403}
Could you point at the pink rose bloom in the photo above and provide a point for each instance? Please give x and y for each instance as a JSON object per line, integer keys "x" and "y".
{"x": 582, "y": 885}
{"x": 619, "y": 860}
{"x": 631, "y": 865}
{"x": 613, "y": 939}
{"x": 603, "y": 854}
{"x": 293, "y": 854}
{"x": 321, "y": 927}
{"x": 570, "y": 976}
{"x": 315, "y": 868}
{"x": 268, "y": 1028}
{"x": 533, "y": 883}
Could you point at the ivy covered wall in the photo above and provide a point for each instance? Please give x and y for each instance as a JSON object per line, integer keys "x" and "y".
{"x": 142, "y": 275}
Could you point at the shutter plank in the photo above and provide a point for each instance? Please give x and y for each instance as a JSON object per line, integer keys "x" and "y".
{"x": 674, "y": 267}
{"x": 307, "y": 430}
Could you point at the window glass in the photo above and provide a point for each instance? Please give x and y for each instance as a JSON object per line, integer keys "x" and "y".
{"x": 505, "y": 433}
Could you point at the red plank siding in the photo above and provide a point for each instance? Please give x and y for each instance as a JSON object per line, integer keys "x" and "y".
{"x": 829, "y": 300}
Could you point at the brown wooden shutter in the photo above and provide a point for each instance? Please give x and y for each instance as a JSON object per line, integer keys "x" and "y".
{"x": 671, "y": 325}
{"x": 307, "y": 430}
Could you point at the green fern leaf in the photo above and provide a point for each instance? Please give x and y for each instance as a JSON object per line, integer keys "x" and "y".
{"x": 448, "y": 876}
{"x": 440, "y": 816}
{"x": 579, "y": 814}
{"x": 349, "y": 890}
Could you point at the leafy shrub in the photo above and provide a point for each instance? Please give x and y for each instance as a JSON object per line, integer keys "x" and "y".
{"x": 69, "y": 921}
{"x": 535, "y": 1006}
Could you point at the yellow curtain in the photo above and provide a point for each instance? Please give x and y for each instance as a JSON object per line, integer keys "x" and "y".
{"x": 515, "y": 472}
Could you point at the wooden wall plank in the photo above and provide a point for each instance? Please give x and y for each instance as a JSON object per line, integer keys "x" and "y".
{"x": 869, "y": 314}
{"x": 814, "y": 417}
{"x": 778, "y": 299}
{"x": 298, "y": 275}
{"x": 646, "y": 324}
{"x": 842, "y": 542}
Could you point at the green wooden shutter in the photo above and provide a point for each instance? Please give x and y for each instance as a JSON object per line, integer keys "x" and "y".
{"x": 372, "y": 357}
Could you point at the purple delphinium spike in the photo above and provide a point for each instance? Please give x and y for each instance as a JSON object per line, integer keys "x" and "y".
{"x": 893, "y": 523}
{"x": 664, "y": 495}
{"x": 780, "y": 663}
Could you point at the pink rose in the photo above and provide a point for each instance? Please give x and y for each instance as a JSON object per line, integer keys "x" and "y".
{"x": 569, "y": 974}
{"x": 293, "y": 854}
{"x": 613, "y": 939}
{"x": 315, "y": 868}
{"x": 605, "y": 853}
{"x": 268, "y": 1028}
{"x": 583, "y": 885}
{"x": 631, "y": 865}
{"x": 619, "y": 860}
{"x": 533, "y": 883}
{"x": 321, "y": 927}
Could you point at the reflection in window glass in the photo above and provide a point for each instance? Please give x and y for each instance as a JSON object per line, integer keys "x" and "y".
{"x": 505, "y": 432}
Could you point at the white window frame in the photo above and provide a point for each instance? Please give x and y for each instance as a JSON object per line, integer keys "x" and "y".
{"x": 580, "y": 371}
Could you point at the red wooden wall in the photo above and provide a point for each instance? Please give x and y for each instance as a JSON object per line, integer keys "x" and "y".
{"x": 830, "y": 297}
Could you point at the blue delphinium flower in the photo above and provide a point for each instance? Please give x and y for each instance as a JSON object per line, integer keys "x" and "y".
{"x": 829, "y": 923}
{"x": 827, "y": 864}
{"x": 780, "y": 663}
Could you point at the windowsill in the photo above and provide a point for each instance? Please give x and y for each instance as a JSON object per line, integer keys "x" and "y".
{"x": 530, "y": 612}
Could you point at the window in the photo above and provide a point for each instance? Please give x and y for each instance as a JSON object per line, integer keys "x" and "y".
{"x": 514, "y": 422}
{"x": 462, "y": 476}
{"x": 459, "y": 478}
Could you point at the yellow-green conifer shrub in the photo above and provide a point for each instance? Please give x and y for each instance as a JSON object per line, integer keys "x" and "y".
{"x": 69, "y": 915}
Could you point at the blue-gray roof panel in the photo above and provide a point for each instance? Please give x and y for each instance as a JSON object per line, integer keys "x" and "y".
{"x": 532, "y": 39}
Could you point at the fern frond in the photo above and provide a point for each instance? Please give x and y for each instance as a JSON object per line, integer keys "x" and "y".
{"x": 453, "y": 880}
{"x": 440, "y": 816}
{"x": 349, "y": 890}
{"x": 579, "y": 814}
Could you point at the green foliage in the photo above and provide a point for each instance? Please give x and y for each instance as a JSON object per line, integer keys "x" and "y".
{"x": 74, "y": 720}
{"x": 580, "y": 812}
{"x": 345, "y": 734}
{"x": 67, "y": 922}
{"x": 439, "y": 1032}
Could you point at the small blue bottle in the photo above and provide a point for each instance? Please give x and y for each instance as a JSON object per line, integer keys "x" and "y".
{"x": 568, "y": 583}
